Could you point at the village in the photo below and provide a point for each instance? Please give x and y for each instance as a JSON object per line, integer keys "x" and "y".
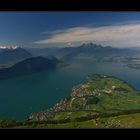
{"x": 81, "y": 91}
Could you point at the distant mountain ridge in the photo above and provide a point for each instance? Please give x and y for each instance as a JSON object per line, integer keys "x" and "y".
{"x": 90, "y": 49}
{"x": 84, "y": 50}
{"x": 9, "y": 55}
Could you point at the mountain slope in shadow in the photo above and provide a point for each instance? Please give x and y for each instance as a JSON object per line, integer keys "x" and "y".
{"x": 28, "y": 66}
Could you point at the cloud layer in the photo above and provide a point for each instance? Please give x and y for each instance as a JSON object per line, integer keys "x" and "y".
{"x": 125, "y": 35}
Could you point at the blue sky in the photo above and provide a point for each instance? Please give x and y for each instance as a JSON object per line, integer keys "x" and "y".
{"x": 119, "y": 29}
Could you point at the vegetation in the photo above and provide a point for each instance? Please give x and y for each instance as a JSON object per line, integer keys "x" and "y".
{"x": 121, "y": 121}
{"x": 101, "y": 102}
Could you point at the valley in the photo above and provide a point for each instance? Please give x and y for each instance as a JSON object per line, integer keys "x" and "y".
{"x": 74, "y": 102}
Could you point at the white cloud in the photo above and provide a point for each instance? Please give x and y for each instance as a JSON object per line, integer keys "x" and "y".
{"x": 125, "y": 35}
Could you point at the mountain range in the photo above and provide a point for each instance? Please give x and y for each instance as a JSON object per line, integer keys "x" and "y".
{"x": 94, "y": 50}
{"x": 89, "y": 50}
{"x": 24, "y": 61}
{"x": 10, "y": 55}
{"x": 84, "y": 51}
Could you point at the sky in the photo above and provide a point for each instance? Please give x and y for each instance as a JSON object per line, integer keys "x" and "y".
{"x": 62, "y": 29}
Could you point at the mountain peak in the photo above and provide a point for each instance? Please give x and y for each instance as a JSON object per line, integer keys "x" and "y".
{"x": 10, "y": 47}
{"x": 90, "y": 45}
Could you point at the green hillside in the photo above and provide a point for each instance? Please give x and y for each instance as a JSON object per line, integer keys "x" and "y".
{"x": 100, "y": 96}
{"x": 102, "y": 102}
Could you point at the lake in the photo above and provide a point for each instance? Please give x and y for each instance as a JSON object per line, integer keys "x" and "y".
{"x": 22, "y": 95}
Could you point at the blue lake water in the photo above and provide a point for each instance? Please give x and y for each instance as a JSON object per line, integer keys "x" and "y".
{"x": 22, "y": 95}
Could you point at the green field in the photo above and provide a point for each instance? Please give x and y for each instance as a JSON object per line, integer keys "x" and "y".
{"x": 121, "y": 121}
